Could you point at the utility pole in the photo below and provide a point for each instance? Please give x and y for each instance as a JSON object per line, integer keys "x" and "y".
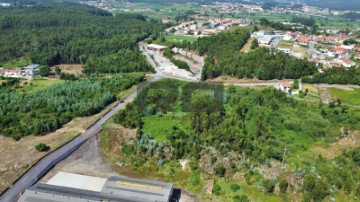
{"x": 282, "y": 162}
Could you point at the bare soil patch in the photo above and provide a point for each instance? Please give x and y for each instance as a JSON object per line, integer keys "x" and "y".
{"x": 69, "y": 68}
{"x": 352, "y": 140}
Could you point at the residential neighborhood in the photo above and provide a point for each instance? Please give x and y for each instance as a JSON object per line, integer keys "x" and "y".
{"x": 27, "y": 72}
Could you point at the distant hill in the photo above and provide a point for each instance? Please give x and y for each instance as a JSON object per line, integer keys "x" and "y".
{"x": 336, "y": 4}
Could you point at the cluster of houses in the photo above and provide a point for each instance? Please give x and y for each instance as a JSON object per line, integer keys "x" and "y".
{"x": 205, "y": 27}
{"x": 328, "y": 50}
{"x": 27, "y": 72}
{"x": 239, "y": 8}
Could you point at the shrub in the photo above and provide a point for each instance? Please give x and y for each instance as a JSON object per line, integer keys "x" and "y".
{"x": 269, "y": 185}
{"x": 220, "y": 170}
{"x": 240, "y": 198}
{"x": 234, "y": 187}
{"x": 42, "y": 147}
{"x": 217, "y": 189}
{"x": 283, "y": 185}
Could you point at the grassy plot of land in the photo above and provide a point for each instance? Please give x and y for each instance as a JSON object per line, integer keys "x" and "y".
{"x": 351, "y": 97}
{"x": 180, "y": 38}
{"x": 286, "y": 44}
{"x": 31, "y": 86}
{"x": 311, "y": 88}
{"x": 158, "y": 126}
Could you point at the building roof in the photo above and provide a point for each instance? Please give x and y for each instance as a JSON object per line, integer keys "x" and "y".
{"x": 155, "y": 46}
{"x": 158, "y": 191}
{"x": 70, "y": 187}
{"x": 32, "y": 66}
{"x": 50, "y": 193}
{"x": 77, "y": 181}
{"x": 286, "y": 84}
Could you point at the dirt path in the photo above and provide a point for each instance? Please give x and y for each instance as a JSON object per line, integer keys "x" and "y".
{"x": 324, "y": 94}
{"x": 247, "y": 46}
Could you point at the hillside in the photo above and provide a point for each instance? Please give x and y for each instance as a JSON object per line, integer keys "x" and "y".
{"x": 57, "y": 33}
{"x": 238, "y": 137}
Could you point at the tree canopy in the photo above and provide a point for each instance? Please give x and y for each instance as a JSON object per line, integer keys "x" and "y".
{"x": 56, "y": 33}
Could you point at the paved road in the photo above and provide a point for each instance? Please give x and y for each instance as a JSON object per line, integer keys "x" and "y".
{"x": 44, "y": 165}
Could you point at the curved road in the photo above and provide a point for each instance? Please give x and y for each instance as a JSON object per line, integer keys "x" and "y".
{"x": 45, "y": 164}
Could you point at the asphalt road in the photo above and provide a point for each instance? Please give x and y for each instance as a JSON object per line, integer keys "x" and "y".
{"x": 44, "y": 165}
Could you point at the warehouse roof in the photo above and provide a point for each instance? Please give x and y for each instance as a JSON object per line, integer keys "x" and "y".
{"x": 73, "y": 187}
{"x": 158, "y": 191}
{"x": 155, "y": 46}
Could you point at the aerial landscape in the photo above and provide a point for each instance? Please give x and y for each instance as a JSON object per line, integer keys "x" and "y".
{"x": 178, "y": 100}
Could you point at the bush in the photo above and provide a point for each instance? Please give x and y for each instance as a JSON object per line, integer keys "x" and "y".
{"x": 217, "y": 189}
{"x": 234, "y": 187}
{"x": 44, "y": 71}
{"x": 283, "y": 185}
{"x": 240, "y": 198}
{"x": 220, "y": 170}
{"x": 269, "y": 185}
{"x": 42, "y": 147}
{"x": 295, "y": 84}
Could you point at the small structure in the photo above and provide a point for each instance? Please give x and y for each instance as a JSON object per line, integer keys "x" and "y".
{"x": 156, "y": 48}
{"x": 70, "y": 187}
{"x": 284, "y": 86}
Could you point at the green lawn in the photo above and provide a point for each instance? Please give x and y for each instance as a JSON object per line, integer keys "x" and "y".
{"x": 351, "y": 97}
{"x": 157, "y": 126}
{"x": 180, "y": 38}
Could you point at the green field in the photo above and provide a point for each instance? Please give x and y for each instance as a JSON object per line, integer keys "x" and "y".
{"x": 157, "y": 126}
{"x": 37, "y": 84}
{"x": 351, "y": 97}
{"x": 180, "y": 38}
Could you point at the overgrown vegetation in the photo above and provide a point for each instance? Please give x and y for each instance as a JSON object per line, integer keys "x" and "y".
{"x": 45, "y": 110}
{"x": 180, "y": 64}
{"x": 250, "y": 129}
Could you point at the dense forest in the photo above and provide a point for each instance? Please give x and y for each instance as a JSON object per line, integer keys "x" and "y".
{"x": 71, "y": 33}
{"x": 336, "y": 76}
{"x": 122, "y": 62}
{"x": 48, "y": 109}
{"x": 250, "y": 128}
